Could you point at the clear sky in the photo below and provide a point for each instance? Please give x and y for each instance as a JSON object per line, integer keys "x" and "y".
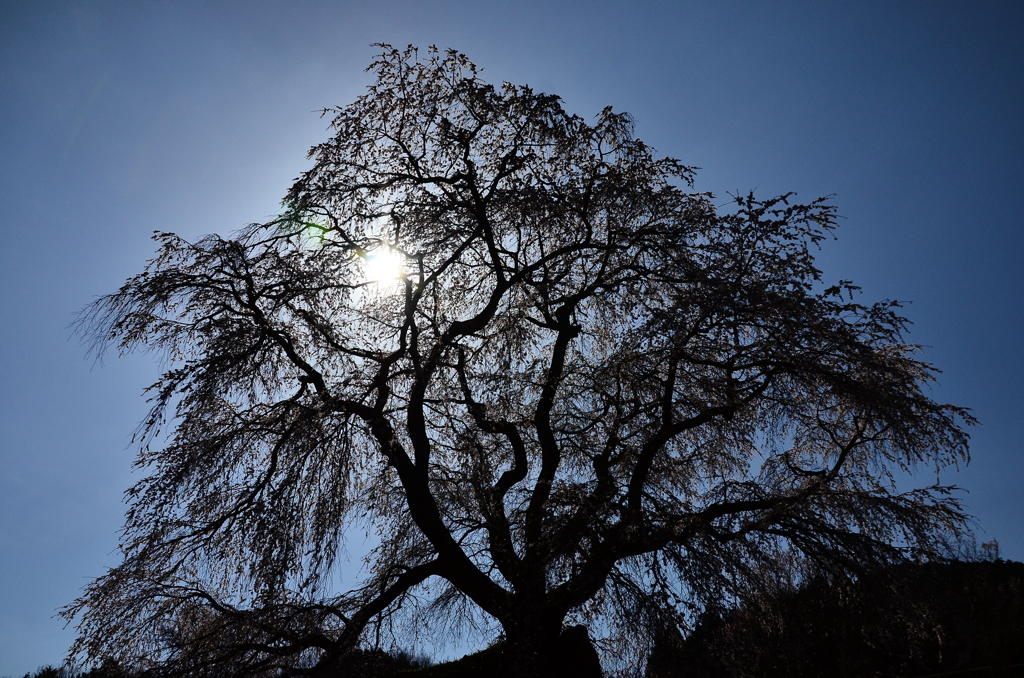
{"x": 119, "y": 118}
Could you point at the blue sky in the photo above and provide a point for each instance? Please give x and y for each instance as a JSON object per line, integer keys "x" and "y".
{"x": 121, "y": 118}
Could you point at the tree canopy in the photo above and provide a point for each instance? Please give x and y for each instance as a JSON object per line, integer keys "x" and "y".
{"x": 556, "y": 383}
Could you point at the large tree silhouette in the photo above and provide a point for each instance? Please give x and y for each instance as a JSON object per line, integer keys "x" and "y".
{"x": 557, "y": 385}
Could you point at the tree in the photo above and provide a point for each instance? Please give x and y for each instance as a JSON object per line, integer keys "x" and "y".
{"x": 559, "y": 386}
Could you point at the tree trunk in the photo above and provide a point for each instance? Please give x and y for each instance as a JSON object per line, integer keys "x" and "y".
{"x": 546, "y": 650}
{"x": 531, "y": 645}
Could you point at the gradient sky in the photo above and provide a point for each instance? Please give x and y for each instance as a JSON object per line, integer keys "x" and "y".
{"x": 121, "y": 118}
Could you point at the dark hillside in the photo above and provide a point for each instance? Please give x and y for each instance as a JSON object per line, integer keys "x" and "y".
{"x": 908, "y": 621}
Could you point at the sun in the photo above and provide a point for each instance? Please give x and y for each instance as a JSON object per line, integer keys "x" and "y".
{"x": 383, "y": 265}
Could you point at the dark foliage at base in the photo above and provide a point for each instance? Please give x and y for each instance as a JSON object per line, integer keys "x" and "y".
{"x": 107, "y": 670}
{"x": 574, "y": 656}
{"x": 906, "y": 621}
{"x": 360, "y": 663}
{"x": 370, "y": 664}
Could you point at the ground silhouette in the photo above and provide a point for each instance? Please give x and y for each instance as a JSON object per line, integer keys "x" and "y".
{"x": 906, "y": 621}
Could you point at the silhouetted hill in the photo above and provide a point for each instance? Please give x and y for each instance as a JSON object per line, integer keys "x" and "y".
{"x": 576, "y": 658}
{"x": 906, "y": 621}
